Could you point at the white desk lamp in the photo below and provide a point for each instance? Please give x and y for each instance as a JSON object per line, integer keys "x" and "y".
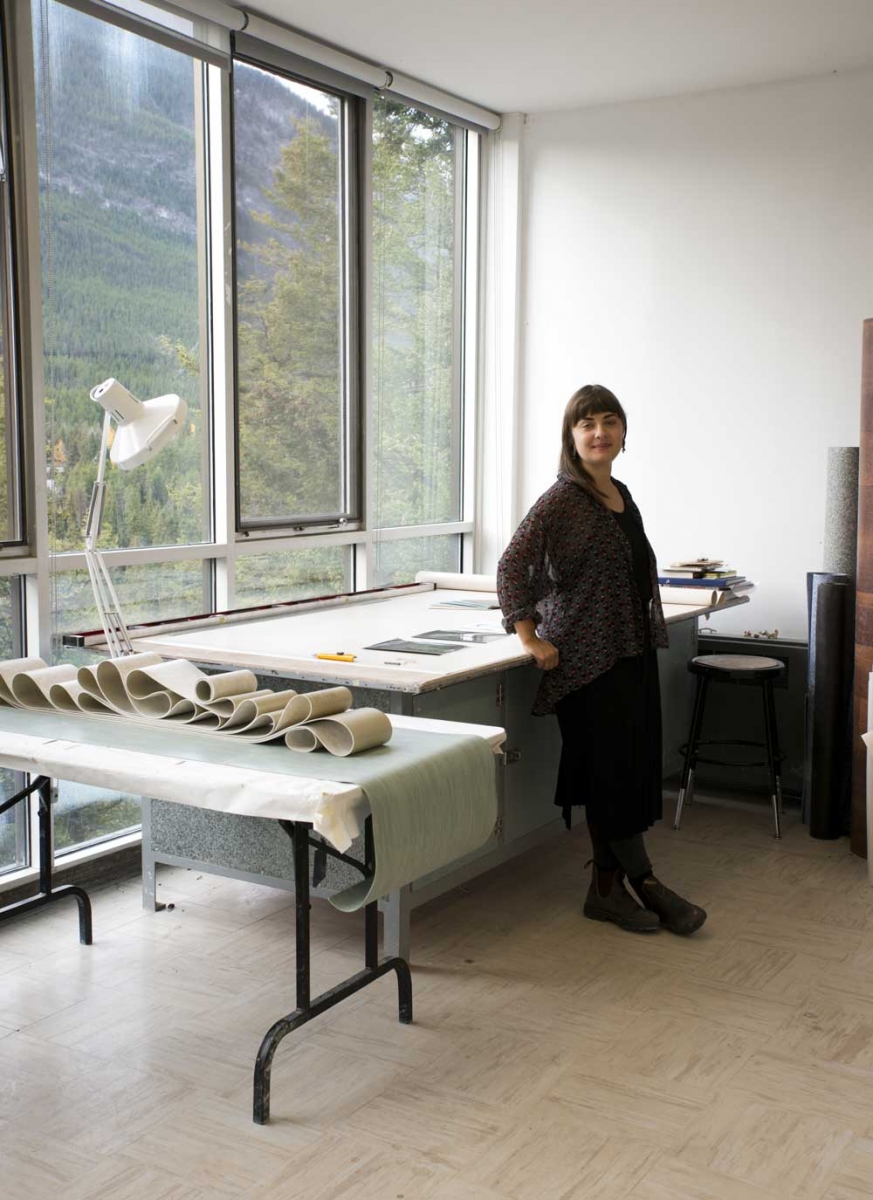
{"x": 144, "y": 428}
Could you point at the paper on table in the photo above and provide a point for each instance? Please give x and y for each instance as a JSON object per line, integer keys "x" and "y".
{"x": 458, "y": 583}
{"x": 697, "y": 597}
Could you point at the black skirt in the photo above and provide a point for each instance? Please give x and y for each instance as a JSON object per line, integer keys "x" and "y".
{"x": 611, "y": 748}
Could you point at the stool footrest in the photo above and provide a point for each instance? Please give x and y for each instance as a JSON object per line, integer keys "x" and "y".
{"x": 743, "y": 669}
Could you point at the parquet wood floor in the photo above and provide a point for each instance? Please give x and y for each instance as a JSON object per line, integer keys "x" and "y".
{"x": 552, "y": 1058}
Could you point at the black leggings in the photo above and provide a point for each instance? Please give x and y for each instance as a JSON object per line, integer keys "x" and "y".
{"x": 628, "y": 853}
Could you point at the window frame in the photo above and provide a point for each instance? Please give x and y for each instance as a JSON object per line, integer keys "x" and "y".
{"x": 9, "y": 317}
{"x": 350, "y": 447}
{"x": 24, "y": 814}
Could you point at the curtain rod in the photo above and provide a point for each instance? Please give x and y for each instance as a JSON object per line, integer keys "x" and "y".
{"x": 379, "y": 77}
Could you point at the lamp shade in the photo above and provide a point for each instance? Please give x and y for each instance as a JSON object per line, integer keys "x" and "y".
{"x": 144, "y": 426}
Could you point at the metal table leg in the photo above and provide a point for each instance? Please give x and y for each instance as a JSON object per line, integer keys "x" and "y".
{"x": 48, "y": 893}
{"x": 307, "y": 1008}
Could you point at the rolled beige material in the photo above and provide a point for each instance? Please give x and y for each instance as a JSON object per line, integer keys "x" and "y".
{"x": 175, "y": 675}
{"x": 107, "y": 681}
{"x": 8, "y": 671}
{"x": 89, "y": 703}
{"x": 324, "y": 703}
{"x": 270, "y": 721}
{"x": 249, "y": 709}
{"x": 229, "y": 683}
{"x": 167, "y": 706}
{"x": 144, "y": 685}
{"x": 697, "y": 597}
{"x": 302, "y": 738}
{"x": 165, "y": 691}
{"x": 32, "y": 690}
{"x": 350, "y": 733}
{"x": 228, "y": 706}
{"x": 458, "y": 583}
{"x": 67, "y": 697}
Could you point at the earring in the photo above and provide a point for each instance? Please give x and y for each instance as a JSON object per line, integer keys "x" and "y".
{"x": 623, "y": 447}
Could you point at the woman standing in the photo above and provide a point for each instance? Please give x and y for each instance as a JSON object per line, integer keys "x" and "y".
{"x": 578, "y": 584}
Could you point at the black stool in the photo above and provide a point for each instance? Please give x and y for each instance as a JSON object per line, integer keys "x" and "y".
{"x": 745, "y": 669}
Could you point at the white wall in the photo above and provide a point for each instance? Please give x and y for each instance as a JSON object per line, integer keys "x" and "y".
{"x": 709, "y": 258}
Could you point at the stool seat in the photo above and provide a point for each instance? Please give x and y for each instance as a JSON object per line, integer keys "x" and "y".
{"x": 735, "y": 669}
{"x": 735, "y": 666}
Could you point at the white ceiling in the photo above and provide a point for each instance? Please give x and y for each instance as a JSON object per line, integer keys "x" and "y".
{"x": 536, "y": 55}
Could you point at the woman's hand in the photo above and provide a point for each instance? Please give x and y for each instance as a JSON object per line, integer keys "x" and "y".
{"x": 545, "y": 654}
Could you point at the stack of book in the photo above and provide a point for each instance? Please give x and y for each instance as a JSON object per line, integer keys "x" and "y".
{"x": 702, "y": 581}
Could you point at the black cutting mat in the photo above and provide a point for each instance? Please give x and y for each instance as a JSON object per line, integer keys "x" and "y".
{"x": 398, "y": 645}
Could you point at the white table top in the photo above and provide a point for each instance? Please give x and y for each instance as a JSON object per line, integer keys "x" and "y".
{"x": 286, "y": 644}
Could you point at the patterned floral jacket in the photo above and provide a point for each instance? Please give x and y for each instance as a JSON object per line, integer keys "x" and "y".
{"x": 569, "y": 568}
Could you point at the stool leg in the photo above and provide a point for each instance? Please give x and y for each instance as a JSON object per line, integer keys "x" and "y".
{"x": 777, "y": 749}
{"x": 687, "y": 777}
{"x": 772, "y": 750}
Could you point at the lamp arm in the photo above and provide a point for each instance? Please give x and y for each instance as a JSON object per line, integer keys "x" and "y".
{"x": 95, "y": 509}
{"x": 117, "y": 637}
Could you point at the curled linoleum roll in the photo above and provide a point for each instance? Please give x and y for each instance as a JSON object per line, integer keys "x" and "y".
{"x": 69, "y": 697}
{"x": 302, "y": 738}
{"x": 33, "y": 689}
{"x": 8, "y": 671}
{"x": 107, "y": 682}
{"x": 261, "y": 720}
{"x": 349, "y": 733}
{"x": 228, "y": 683}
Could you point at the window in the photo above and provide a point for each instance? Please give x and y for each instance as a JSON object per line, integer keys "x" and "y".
{"x": 14, "y": 822}
{"x": 417, "y": 307}
{"x": 120, "y": 155}
{"x": 11, "y": 492}
{"x": 293, "y": 575}
{"x": 147, "y": 592}
{"x": 294, "y": 221}
{"x": 398, "y": 561}
{"x": 279, "y": 244}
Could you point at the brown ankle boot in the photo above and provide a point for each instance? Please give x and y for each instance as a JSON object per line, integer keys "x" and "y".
{"x": 609, "y": 900}
{"x": 677, "y": 915}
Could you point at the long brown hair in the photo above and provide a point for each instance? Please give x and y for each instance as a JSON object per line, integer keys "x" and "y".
{"x": 591, "y": 399}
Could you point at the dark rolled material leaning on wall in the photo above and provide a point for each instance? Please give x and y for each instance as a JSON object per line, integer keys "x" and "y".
{"x": 863, "y": 599}
{"x": 828, "y": 776}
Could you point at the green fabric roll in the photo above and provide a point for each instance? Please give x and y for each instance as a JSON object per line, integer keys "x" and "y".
{"x": 433, "y": 798}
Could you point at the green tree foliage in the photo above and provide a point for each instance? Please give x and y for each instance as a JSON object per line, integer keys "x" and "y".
{"x": 5, "y": 522}
{"x": 118, "y": 223}
{"x": 290, "y": 372}
{"x": 118, "y": 161}
{"x": 414, "y": 166}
